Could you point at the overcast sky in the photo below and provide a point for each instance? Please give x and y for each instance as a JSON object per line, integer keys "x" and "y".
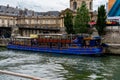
{"x": 45, "y": 5}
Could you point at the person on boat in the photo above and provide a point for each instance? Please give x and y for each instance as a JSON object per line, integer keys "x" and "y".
{"x": 34, "y": 42}
{"x": 50, "y": 43}
{"x": 79, "y": 41}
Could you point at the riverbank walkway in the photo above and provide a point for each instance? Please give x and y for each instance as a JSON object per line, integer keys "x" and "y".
{"x": 4, "y": 42}
{"x": 113, "y": 44}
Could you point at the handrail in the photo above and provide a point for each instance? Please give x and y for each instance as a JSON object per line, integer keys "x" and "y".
{"x": 20, "y": 75}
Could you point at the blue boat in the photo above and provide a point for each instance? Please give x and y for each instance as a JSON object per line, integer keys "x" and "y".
{"x": 59, "y": 43}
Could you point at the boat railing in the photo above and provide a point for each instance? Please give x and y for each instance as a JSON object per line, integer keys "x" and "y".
{"x": 20, "y": 75}
{"x": 57, "y": 41}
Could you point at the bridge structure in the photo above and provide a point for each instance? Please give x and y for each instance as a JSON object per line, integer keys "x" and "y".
{"x": 115, "y": 10}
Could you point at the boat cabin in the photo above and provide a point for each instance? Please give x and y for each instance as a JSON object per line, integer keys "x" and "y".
{"x": 57, "y": 41}
{"x": 23, "y": 41}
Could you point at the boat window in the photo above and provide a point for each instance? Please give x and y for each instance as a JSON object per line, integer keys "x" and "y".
{"x": 22, "y": 41}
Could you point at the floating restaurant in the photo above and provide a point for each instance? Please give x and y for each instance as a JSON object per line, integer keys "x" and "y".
{"x": 59, "y": 43}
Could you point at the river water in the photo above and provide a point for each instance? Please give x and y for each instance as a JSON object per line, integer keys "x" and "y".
{"x": 59, "y": 67}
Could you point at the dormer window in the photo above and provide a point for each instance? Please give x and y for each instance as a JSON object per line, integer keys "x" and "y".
{"x": 90, "y": 5}
{"x": 83, "y": 2}
{"x": 74, "y": 5}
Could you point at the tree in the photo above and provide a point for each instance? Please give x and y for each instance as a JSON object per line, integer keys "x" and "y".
{"x": 68, "y": 22}
{"x": 101, "y": 20}
{"x": 81, "y": 20}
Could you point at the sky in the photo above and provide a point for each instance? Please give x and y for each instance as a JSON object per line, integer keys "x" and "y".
{"x": 45, "y": 5}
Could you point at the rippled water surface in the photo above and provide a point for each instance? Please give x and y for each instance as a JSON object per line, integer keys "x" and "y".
{"x": 59, "y": 67}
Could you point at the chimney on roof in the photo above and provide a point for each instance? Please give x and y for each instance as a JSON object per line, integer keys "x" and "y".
{"x": 33, "y": 13}
{"x": 16, "y": 7}
{"x": 7, "y": 5}
{"x": 25, "y": 11}
{"x": 20, "y": 12}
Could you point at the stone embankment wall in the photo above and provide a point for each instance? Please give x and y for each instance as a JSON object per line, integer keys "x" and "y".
{"x": 4, "y": 41}
{"x": 112, "y": 38}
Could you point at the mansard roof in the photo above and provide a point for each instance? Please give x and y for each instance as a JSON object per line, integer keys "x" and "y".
{"x": 63, "y": 12}
{"x": 49, "y": 13}
{"x": 6, "y": 10}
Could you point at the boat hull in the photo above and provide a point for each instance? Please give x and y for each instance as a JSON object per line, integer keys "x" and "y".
{"x": 77, "y": 51}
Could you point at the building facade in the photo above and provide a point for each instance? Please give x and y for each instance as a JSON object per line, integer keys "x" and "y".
{"x": 7, "y": 22}
{"x": 43, "y": 23}
{"x": 75, "y": 4}
{"x": 25, "y": 22}
{"x": 15, "y": 21}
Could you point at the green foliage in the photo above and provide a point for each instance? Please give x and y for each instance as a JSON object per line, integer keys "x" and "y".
{"x": 81, "y": 20}
{"x": 68, "y": 22}
{"x": 2, "y": 48}
{"x": 101, "y": 20}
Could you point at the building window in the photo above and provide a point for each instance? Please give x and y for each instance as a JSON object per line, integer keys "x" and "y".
{"x": 90, "y": 5}
{"x": 14, "y": 22}
{"x": 29, "y": 21}
{"x": 83, "y": 2}
{"x": 26, "y": 21}
{"x": 42, "y": 21}
{"x": 2, "y": 20}
{"x": 74, "y": 5}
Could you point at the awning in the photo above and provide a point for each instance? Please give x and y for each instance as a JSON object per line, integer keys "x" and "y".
{"x": 92, "y": 23}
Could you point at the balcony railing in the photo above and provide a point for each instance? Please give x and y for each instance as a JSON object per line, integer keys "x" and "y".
{"x": 39, "y": 26}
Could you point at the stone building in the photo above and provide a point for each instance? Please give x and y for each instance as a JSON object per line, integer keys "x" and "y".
{"x": 75, "y": 4}
{"x": 15, "y": 21}
{"x": 25, "y": 22}
{"x": 39, "y": 22}
{"x": 7, "y": 20}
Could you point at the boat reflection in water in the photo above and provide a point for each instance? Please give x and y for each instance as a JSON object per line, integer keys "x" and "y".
{"x": 59, "y": 43}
